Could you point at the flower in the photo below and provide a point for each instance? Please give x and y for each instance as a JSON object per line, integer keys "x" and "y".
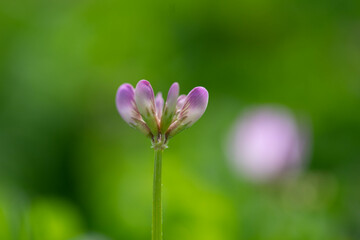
{"x": 158, "y": 120}
{"x": 267, "y": 144}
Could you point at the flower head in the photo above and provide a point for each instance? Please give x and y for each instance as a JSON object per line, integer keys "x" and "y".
{"x": 267, "y": 143}
{"x": 158, "y": 120}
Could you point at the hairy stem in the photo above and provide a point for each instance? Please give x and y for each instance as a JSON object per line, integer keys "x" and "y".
{"x": 157, "y": 205}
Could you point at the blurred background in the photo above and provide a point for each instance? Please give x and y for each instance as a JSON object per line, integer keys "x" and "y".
{"x": 71, "y": 168}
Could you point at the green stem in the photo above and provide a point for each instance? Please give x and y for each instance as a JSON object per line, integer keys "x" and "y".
{"x": 157, "y": 212}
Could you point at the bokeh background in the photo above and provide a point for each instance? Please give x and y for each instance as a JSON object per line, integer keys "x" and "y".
{"x": 71, "y": 168}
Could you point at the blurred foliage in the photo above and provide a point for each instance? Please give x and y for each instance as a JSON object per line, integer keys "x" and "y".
{"x": 70, "y": 168}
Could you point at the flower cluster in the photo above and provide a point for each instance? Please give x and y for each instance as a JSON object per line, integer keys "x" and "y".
{"x": 158, "y": 120}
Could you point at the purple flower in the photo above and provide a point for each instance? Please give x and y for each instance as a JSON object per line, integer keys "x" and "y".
{"x": 140, "y": 109}
{"x": 267, "y": 144}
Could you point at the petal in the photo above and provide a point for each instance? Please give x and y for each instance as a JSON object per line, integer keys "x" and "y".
{"x": 194, "y": 107}
{"x": 144, "y": 96}
{"x": 125, "y": 103}
{"x": 180, "y": 102}
{"x": 170, "y": 107}
{"x": 172, "y": 96}
{"x": 159, "y": 105}
{"x": 144, "y": 99}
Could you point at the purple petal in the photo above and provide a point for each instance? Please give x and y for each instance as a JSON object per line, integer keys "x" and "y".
{"x": 172, "y": 96}
{"x": 144, "y": 98}
{"x": 170, "y": 107}
{"x": 159, "y": 105}
{"x": 125, "y": 102}
{"x": 194, "y": 106}
{"x": 180, "y": 102}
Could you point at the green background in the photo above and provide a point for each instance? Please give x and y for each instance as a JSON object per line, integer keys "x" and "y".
{"x": 70, "y": 167}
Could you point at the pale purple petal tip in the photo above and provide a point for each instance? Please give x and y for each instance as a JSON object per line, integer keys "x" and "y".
{"x": 173, "y": 95}
{"x": 144, "y": 90}
{"x": 159, "y": 105}
{"x": 125, "y": 102}
{"x": 195, "y": 105}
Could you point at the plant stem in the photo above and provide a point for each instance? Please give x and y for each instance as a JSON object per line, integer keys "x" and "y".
{"x": 157, "y": 205}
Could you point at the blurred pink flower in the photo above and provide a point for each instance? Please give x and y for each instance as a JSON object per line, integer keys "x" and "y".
{"x": 267, "y": 143}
